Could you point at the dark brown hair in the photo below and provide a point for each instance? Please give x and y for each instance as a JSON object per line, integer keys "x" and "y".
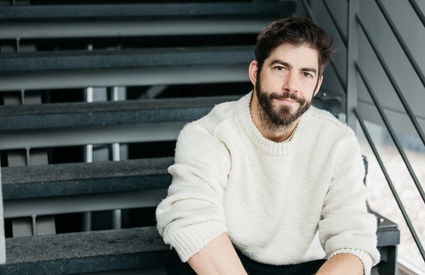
{"x": 297, "y": 32}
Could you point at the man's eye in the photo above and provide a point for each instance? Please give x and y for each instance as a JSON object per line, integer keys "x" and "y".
{"x": 308, "y": 75}
{"x": 279, "y": 68}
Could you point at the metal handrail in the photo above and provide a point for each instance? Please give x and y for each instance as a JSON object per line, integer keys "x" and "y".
{"x": 395, "y": 139}
{"x": 383, "y": 116}
{"x": 356, "y": 69}
{"x": 401, "y": 41}
{"x": 391, "y": 78}
{"x": 418, "y": 11}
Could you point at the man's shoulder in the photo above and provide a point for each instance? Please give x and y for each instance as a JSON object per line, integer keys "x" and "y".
{"x": 219, "y": 115}
{"x": 324, "y": 120}
{"x": 227, "y": 110}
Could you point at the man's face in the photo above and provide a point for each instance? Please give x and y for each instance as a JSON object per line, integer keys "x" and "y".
{"x": 287, "y": 83}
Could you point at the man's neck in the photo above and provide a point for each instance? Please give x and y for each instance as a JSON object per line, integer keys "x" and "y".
{"x": 280, "y": 134}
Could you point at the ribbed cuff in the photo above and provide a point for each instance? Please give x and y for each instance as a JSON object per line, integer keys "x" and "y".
{"x": 190, "y": 240}
{"x": 363, "y": 256}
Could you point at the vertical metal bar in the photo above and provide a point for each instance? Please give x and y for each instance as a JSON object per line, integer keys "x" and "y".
{"x": 27, "y": 156}
{"x": 18, "y": 43}
{"x": 352, "y": 55}
{"x": 89, "y": 94}
{"x": 116, "y": 152}
{"x": 24, "y": 226}
{"x": 34, "y": 225}
{"x": 116, "y": 219}
{"x": 22, "y": 96}
{"x": 87, "y": 217}
{"x": 89, "y": 153}
{"x": 2, "y": 236}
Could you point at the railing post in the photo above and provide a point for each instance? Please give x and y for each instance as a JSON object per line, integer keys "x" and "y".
{"x": 2, "y": 236}
{"x": 352, "y": 55}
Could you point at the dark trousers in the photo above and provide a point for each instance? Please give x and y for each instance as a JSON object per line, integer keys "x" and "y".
{"x": 175, "y": 266}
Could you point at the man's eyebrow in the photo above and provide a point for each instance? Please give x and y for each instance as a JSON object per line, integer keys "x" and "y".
{"x": 278, "y": 61}
{"x": 286, "y": 64}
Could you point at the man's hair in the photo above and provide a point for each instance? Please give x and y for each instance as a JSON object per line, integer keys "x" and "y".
{"x": 297, "y": 32}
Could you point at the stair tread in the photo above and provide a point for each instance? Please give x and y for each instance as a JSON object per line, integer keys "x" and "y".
{"x": 127, "y": 58}
{"x": 85, "y": 178}
{"x": 138, "y": 11}
{"x": 84, "y": 114}
{"x": 85, "y": 251}
{"x": 170, "y": 29}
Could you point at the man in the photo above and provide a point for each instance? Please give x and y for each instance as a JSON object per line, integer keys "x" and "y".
{"x": 260, "y": 183}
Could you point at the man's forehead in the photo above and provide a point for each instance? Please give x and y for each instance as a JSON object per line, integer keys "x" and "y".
{"x": 300, "y": 56}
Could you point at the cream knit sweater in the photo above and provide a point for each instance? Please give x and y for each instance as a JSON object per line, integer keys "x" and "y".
{"x": 271, "y": 198}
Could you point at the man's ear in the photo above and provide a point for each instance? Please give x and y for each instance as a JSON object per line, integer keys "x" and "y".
{"x": 252, "y": 72}
{"x": 319, "y": 84}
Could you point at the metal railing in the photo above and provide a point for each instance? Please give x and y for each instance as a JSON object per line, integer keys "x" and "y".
{"x": 385, "y": 119}
{"x": 349, "y": 38}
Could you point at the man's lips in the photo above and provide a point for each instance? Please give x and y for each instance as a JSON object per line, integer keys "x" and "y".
{"x": 287, "y": 100}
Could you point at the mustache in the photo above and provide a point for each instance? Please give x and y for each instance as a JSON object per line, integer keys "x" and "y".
{"x": 285, "y": 95}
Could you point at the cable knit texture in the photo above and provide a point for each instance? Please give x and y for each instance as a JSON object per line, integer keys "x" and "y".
{"x": 271, "y": 198}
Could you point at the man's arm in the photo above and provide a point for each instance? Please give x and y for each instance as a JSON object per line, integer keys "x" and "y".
{"x": 346, "y": 226}
{"x": 342, "y": 264}
{"x": 217, "y": 257}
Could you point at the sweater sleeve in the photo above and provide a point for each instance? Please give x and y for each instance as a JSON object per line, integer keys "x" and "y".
{"x": 192, "y": 214}
{"x": 346, "y": 226}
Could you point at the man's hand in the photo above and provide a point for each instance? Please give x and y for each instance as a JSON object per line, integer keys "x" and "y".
{"x": 217, "y": 257}
{"x": 342, "y": 264}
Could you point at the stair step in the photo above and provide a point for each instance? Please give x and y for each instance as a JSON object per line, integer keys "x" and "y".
{"x": 107, "y": 113}
{"x": 119, "y": 59}
{"x": 53, "y": 70}
{"x": 79, "y": 136}
{"x": 73, "y": 124}
{"x": 34, "y": 80}
{"x": 37, "y": 207}
{"x": 57, "y": 180}
{"x": 121, "y": 29}
{"x": 81, "y": 12}
{"x": 39, "y": 190}
{"x": 120, "y": 20}
{"x": 85, "y": 252}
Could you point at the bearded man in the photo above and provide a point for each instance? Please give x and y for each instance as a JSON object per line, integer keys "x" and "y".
{"x": 269, "y": 184}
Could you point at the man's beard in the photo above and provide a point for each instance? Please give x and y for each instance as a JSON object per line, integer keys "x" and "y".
{"x": 282, "y": 117}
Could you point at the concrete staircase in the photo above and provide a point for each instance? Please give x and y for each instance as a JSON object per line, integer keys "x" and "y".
{"x": 93, "y": 96}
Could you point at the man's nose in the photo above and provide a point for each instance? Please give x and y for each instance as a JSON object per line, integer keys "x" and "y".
{"x": 291, "y": 82}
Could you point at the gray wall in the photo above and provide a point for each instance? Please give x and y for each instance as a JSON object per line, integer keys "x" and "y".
{"x": 413, "y": 33}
